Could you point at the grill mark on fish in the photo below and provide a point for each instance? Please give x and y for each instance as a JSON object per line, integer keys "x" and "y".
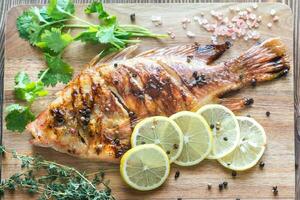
{"x": 131, "y": 114}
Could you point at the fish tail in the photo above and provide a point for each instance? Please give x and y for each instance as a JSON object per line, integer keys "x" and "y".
{"x": 263, "y": 62}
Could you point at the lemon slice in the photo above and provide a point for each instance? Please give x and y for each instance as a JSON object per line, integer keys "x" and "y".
{"x": 160, "y": 131}
{"x": 225, "y": 129}
{"x": 145, "y": 167}
{"x": 251, "y": 146}
{"x": 197, "y": 138}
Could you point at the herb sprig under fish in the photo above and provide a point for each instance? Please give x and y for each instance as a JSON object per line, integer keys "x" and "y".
{"x": 94, "y": 114}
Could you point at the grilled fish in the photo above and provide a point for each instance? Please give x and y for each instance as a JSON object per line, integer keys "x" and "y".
{"x": 93, "y": 116}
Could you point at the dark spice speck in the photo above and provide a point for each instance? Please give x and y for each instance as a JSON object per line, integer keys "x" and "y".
{"x": 132, "y": 17}
{"x": 209, "y": 185}
{"x": 177, "y": 174}
{"x": 268, "y": 113}
{"x": 248, "y": 101}
{"x": 233, "y": 174}
{"x": 221, "y": 186}
{"x": 175, "y": 146}
{"x": 225, "y": 184}
{"x": 261, "y": 164}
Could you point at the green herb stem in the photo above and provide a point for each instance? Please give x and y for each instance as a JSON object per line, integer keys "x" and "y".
{"x": 75, "y": 26}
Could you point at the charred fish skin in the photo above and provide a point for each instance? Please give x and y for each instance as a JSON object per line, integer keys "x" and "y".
{"x": 93, "y": 116}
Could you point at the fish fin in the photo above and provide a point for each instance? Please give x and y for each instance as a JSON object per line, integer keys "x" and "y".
{"x": 236, "y": 104}
{"x": 263, "y": 62}
{"x": 121, "y": 55}
{"x": 205, "y": 53}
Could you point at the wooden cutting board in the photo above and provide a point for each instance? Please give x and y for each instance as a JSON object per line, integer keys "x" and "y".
{"x": 276, "y": 97}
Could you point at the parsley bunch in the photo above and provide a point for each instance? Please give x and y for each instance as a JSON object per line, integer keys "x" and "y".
{"x": 48, "y": 28}
{"x": 54, "y": 181}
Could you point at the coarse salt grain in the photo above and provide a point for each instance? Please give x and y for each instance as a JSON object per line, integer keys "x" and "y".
{"x": 156, "y": 18}
{"x": 272, "y": 12}
{"x": 196, "y": 18}
{"x": 190, "y": 34}
{"x": 255, "y": 6}
{"x": 269, "y": 25}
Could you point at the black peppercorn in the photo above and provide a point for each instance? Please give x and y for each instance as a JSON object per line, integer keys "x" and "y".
{"x": 233, "y": 174}
{"x": 261, "y": 164}
{"x": 212, "y": 126}
{"x": 268, "y": 113}
{"x": 225, "y": 138}
{"x": 132, "y": 17}
{"x": 221, "y": 186}
{"x": 225, "y": 184}
{"x": 248, "y": 101}
{"x": 177, "y": 174}
{"x": 115, "y": 64}
{"x": 275, "y": 190}
{"x": 168, "y": 152}
{"x": 175, "y": 146}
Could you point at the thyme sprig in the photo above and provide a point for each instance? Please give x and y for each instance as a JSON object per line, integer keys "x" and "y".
{"x": 55, "y": 181}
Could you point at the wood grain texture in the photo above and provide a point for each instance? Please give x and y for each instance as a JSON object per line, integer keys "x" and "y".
{"x": 276, "y": 97}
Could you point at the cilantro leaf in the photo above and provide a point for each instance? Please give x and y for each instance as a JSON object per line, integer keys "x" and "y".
{"x": 59, "y": 71}
{"x": 96, "y": 7}
{"x": 28, "y": 90}
{"x": 60, "y": 9}
{"x": 101, "y": 34}
{"x": 18, "y": 117}
{"x": 55, "y": 40}
{"x": 27, "y": 24}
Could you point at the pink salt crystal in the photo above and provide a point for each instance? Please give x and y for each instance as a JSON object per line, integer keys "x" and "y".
{"x": 259, "y": 18}
{"x": 255, "y": 35}
{"x": 269, "y": 25}
{"x": 275, "y": 18}
{"x": 252, "y": 16}
{"x": 172, "y": 36}
{"x": 233, "y": 36}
